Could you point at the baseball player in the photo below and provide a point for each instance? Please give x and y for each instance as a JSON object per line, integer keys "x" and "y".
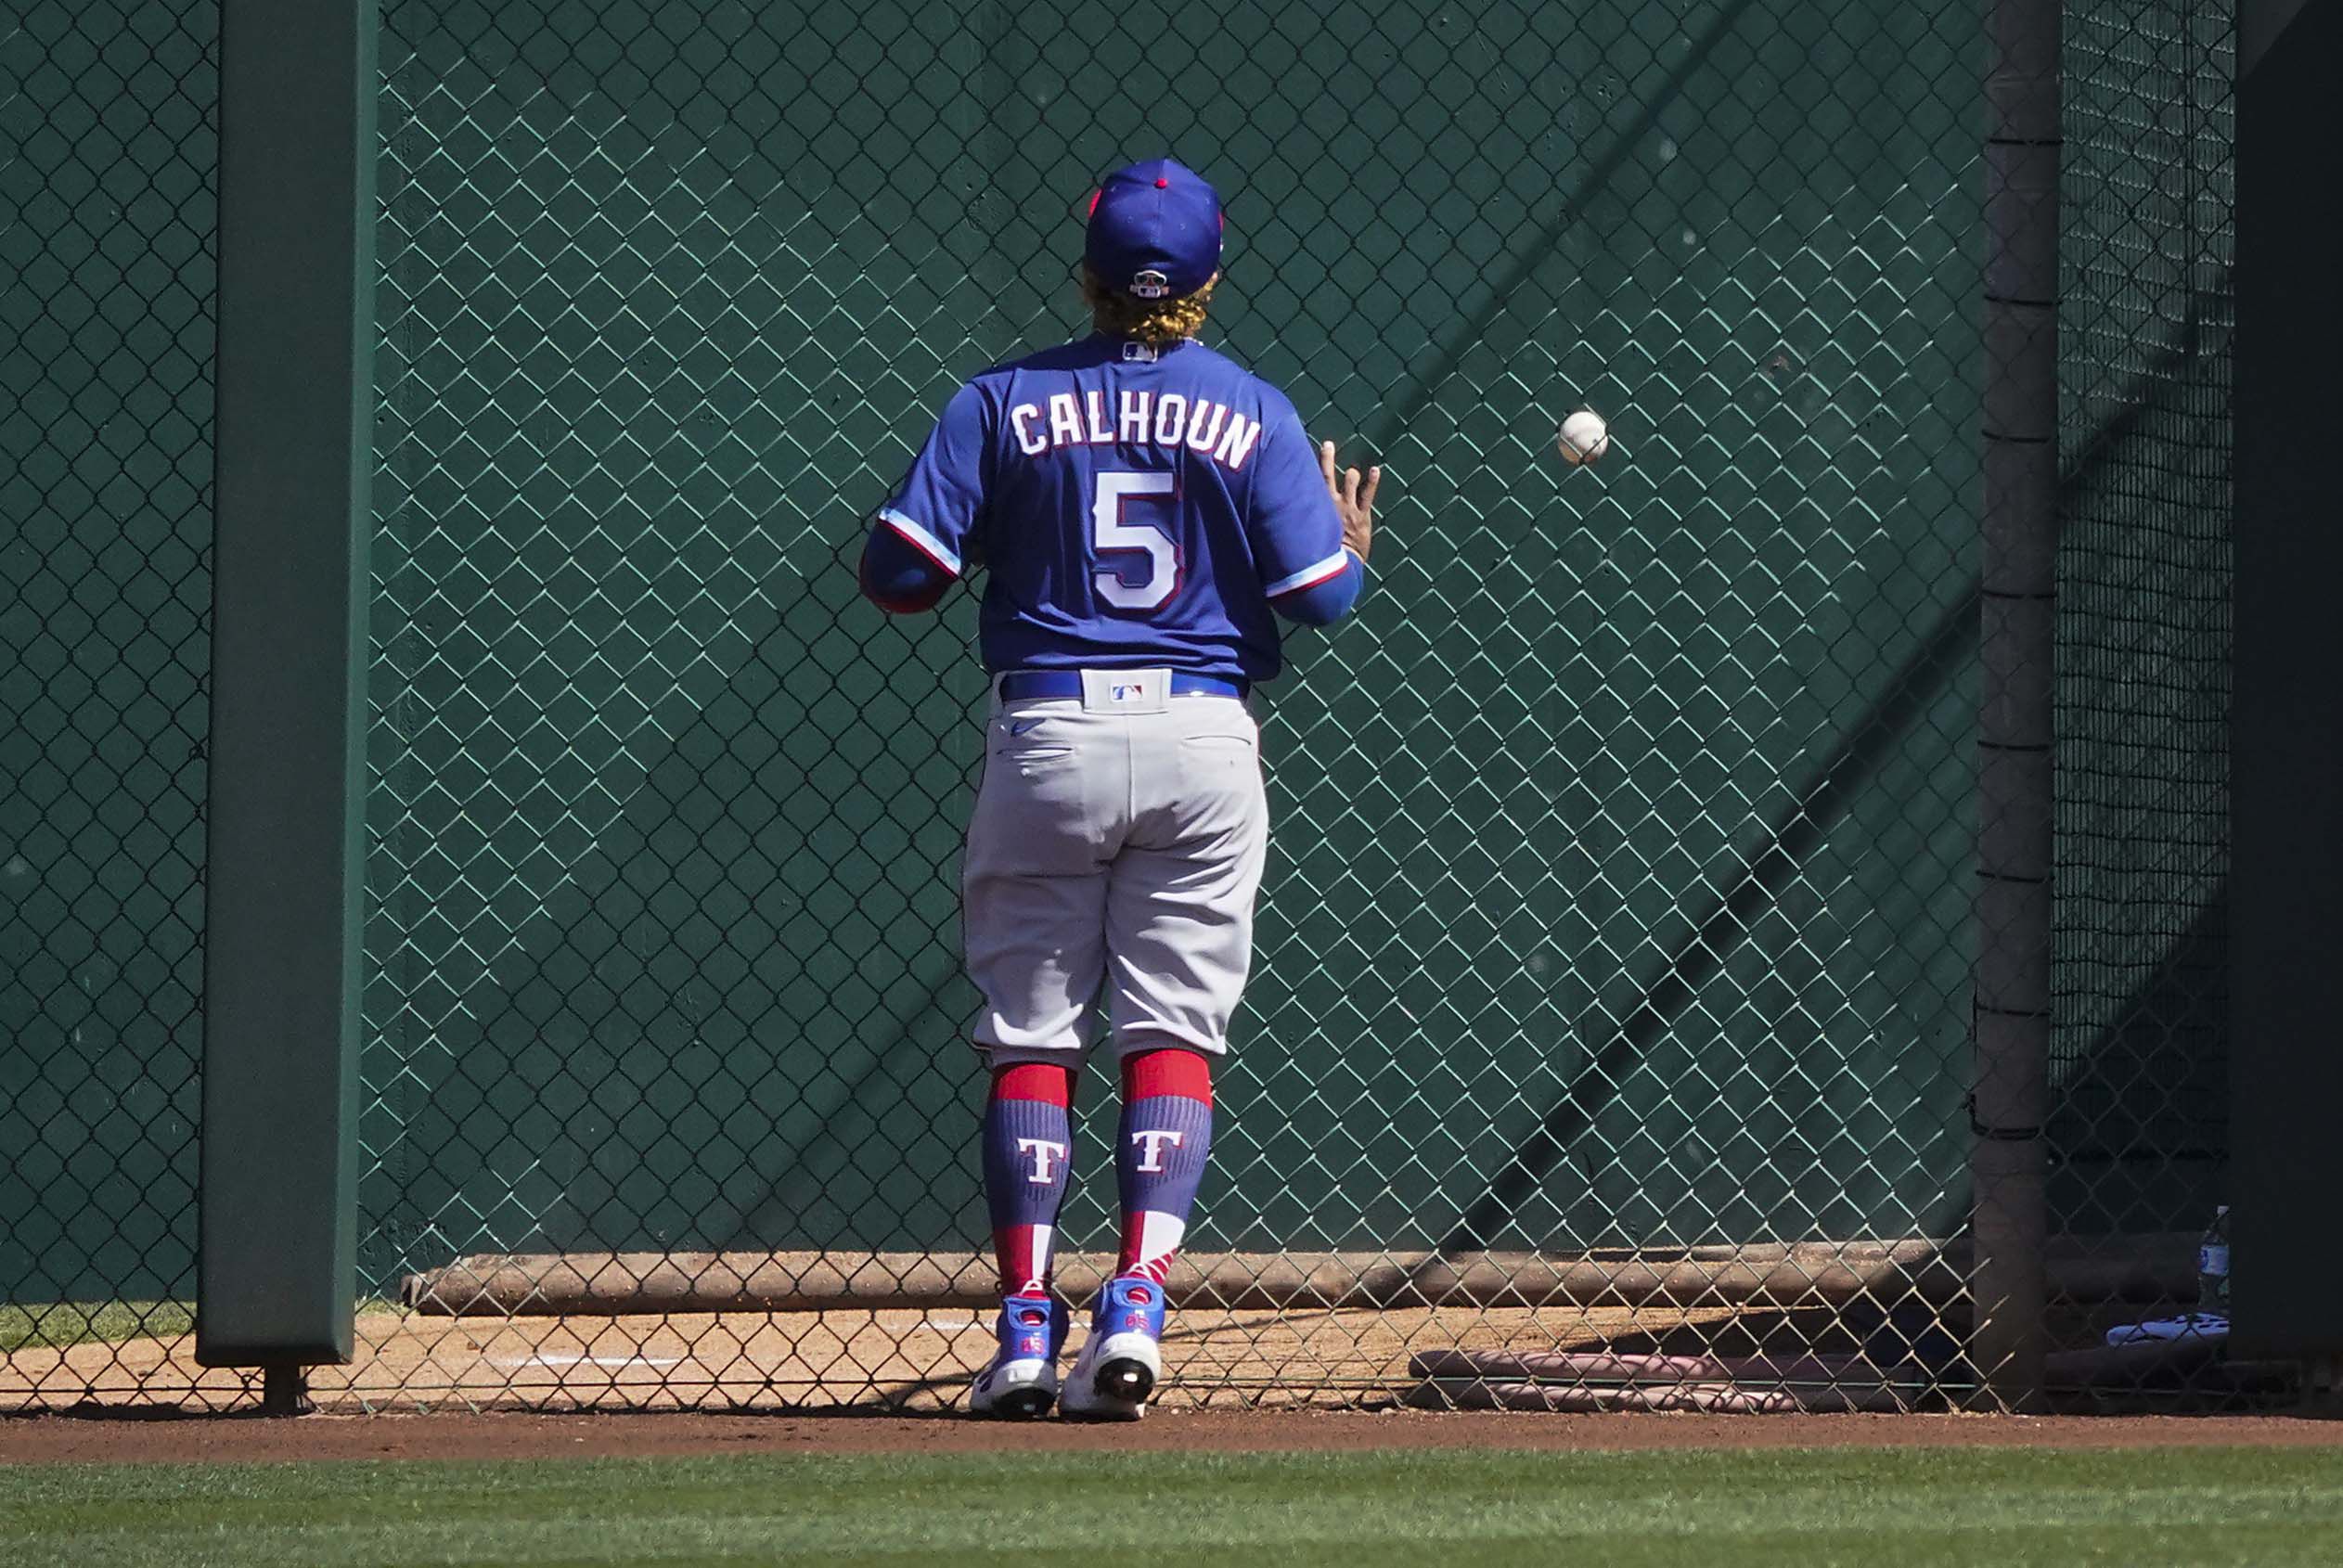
{"x": 1142, "y": 505}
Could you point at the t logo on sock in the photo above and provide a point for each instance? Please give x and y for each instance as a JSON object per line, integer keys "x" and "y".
{"x": 1044, "y": 1153}
{"x": 1153, "y": 1142}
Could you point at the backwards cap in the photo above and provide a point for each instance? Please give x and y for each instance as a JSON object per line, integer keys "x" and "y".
{"x": 1154, "y": 231}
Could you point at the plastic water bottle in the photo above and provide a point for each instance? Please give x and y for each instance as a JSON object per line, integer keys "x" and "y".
{"x": 2212, "y": 1266}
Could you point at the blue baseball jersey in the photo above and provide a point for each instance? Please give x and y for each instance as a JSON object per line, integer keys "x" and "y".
{"x": 1132, "y": 508}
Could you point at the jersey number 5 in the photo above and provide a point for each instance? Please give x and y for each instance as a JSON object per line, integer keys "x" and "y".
{"x": 1111, "y": 536}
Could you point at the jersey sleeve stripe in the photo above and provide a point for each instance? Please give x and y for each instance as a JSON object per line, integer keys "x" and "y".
{"x": 1309, "y": 576}
{"x": 921, "y": 539}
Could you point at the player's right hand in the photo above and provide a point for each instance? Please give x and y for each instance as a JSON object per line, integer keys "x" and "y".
{"x": 1356, "y": 506}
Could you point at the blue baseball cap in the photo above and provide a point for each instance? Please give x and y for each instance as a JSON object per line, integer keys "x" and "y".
{"x": 1154, "y": 231}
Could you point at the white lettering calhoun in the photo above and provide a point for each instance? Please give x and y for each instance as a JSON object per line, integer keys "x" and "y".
{"x": 1171, "y": 423}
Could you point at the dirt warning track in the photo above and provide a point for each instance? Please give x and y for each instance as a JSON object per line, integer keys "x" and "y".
{"x": 252, "y": 1439}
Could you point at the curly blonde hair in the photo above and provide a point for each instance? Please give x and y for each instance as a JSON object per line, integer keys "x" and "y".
{"x": 1153, "y": 322}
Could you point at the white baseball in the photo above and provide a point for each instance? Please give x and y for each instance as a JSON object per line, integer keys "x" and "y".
{"x": 1584, "y": 437}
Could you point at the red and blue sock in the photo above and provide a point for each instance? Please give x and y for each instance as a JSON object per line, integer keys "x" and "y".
{"x": 1160, "y": 1151}
{"x": 1028, "y": 1140}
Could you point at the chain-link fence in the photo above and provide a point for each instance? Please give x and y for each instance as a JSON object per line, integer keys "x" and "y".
{"x": 108, "y": 113}
{"x": 1612, "y": 1000}
{"x": 2139, "y": 1128}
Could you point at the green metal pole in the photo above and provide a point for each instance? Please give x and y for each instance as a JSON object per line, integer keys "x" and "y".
{"x": 2017, "y": 624}
{"x": 285, "y": 872}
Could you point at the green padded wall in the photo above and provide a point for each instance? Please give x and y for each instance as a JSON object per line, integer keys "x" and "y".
{"x": 108, "y": 158}
{"x": 1619, "y": 894}
{"x": 1621, "y": 881}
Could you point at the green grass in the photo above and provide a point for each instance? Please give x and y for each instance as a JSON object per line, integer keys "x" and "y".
{"x": 1908, "y": 1508}
{"x": 58, "y": 1324}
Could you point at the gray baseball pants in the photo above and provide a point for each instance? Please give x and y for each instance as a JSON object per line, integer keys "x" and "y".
{"x": 1112, "y": 860}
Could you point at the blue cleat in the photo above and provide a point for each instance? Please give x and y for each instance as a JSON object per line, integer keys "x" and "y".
{"x": 1122, "y": 1359}
{"x": 1022, "y": 1381}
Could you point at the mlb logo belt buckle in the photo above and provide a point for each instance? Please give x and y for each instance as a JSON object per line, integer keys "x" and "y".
{"x": 1126, "y": 691}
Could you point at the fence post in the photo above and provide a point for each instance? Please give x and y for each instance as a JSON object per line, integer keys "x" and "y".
{"x": 277, "y": 1261}
{"x": 2018, "y": 607}
{"x": 2286, "y": 1078}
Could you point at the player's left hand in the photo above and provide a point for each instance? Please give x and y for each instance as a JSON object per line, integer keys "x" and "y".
{"x": 1357, "y": 505}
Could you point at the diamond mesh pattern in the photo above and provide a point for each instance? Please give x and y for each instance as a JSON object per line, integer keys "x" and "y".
{"x": 1615, "y": 958}
{"x": 107, "y": 218}
{"x": 2141, "y": 1122}
{"x": 1621, "y": 895}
